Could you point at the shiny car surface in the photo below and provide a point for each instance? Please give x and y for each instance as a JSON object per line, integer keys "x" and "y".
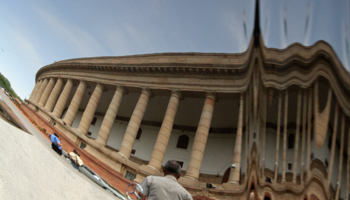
{"x": 100, "y": 181}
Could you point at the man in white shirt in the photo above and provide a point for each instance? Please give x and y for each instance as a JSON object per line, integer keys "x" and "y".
{"x": 167, "y": 187}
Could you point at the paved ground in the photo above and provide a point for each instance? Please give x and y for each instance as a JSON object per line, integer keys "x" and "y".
{"x": 30, "y": 169}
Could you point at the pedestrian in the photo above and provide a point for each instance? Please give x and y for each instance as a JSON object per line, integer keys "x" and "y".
{"x": 56, "y": 143}
{"x": 167, "y": 187}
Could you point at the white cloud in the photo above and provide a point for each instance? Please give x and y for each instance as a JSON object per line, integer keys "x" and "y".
{"x": 126, "y": 39}
{"x": 141, "y": 38}
{"x": 308, "y": 31}
{"x": 266, "y": 29}
{"x": 345, "y": 56}
{"x": 284, "y": 38}
{"x": 83, "y": 43}
{"x": 116, "y": 41}
{"x": 25, "y": 48}
{"x": 234, "y": 24}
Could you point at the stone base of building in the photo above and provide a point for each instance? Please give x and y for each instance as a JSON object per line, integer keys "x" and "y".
{"x": 188, "y": 181}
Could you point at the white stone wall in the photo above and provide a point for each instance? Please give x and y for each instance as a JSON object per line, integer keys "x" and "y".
{"x": 321, "y": 153}
{"x": 270, "y": 149}
{"x": 218, "y": 153}
{"x": 176, "y": 153}
{"x": 343, "y": 180}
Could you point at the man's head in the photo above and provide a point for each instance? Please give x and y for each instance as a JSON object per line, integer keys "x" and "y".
{"x": 172, "y": 168}
{"x": 56, "y": 134}
{"x": 75, "y": 151}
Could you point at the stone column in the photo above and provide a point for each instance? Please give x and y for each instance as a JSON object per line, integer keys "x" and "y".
{"x": 41, "y": 90}
{"x": 62, "y": 100}
{"x": 296, "y": 140}
{"x": 74, "y": 105}
{"x": 303, "y": 139}
{"x": 251, "y": 126}
{"x": 90, "y": 109}
{"x": 285, "y": 136}
{"x": 134, "y": 124}
{"x": 247, "y": 128}
{"x": 278, "y": 134}
{"x": 255, "y": 101}
{"x": 235, "y": 171}
{"x": 264, "y": 113}
{"x": 54, "y": 95}
{"x": 348, "y": 168}
{"x": 334, "y": 137}
{"x": 165, "y": 132}
{"x": 200, "y": 141}
{"x": 308, "y": 150}
{"x": 46, "y": 92}
{"x": 109, "y": 118}
{"x": 321, "y": 119}
{"x": 340, "y": 156}
{"x": 35, "y": 90}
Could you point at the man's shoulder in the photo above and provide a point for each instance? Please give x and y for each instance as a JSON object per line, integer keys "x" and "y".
{"x": 152, "y": 177}
{"x": 156, "y": 180}
{"x": 155, "y": 177}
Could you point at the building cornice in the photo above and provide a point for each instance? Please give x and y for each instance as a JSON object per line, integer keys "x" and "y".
{"x": 219, "y": 72}
{"x": 305, "y": 58}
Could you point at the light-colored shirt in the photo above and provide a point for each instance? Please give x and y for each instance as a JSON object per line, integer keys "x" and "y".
{"x": 76, "y": 158}
{"x": 165, "y": 188}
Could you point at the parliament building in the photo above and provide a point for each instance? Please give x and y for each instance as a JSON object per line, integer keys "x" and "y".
{"x": 263, "y": 124}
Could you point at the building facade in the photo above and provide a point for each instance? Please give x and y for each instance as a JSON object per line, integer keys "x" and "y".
{"x": 263, "y": 124}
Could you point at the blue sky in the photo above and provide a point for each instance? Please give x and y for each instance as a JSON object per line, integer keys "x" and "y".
{"x": 37, "y": 33}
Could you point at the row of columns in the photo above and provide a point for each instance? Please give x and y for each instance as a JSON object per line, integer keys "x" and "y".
{"x": 301, "y": 111}
{"x": 305, "y": 103}
{"x": 46, "y": 93}
{"x": 302, "y": 98}
{"x": 41, "y": 94}
{"x": 62, "y": 100}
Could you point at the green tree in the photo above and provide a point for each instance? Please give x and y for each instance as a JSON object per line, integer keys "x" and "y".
{"x": 7, "y": 86}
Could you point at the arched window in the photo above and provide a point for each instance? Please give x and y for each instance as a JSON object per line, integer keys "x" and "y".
{"x": 182, "y": 142}
{"x": 291, "y": 138}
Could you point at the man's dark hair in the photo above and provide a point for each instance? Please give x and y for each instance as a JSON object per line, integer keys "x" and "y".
{"x": 76, "y": 152}
{"x": 173, "y": 167}
{"x": 56, "y": 134}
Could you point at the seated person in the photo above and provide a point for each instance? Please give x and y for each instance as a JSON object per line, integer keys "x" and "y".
{"x": 75, "y": 157}
{"x": 56, "y": 143}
